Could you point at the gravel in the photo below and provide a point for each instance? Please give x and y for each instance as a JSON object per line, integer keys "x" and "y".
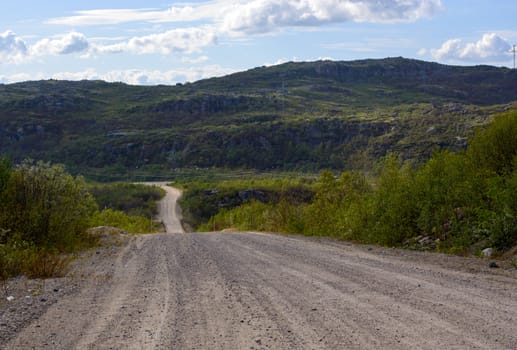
{"x": 264, "y": 291}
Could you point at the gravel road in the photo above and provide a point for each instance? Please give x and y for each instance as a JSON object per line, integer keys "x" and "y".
{"x": 168, "y": 210}
{"x": 262, "y": 291}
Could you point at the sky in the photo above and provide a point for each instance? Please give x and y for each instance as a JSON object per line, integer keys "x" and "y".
{"x": 165, "y": 42}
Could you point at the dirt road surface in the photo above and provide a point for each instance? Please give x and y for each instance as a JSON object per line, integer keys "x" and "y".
{"x": 261, "y": 291}
{"x": 168, "y": 210}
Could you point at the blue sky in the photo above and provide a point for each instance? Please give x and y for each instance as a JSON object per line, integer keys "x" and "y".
{"x": 165, "y": 42}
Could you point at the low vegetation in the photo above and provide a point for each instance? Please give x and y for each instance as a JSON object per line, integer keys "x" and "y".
{"x": 457, "y": 202}
{"x": 45, "y": 213}
{"x": 131, "y": 207}
{"x": 204, "y": 198}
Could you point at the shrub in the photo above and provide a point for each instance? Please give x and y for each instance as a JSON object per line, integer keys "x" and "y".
{"x": 46, "y": 206}
{"x": 133, "y": 199}
{"x": 459, "y": 200}
{"x": 129, "y": 223}
{"x": 392, "y": 207}
{"x": 494, "y": 148}
{"x": 21, "y": 257}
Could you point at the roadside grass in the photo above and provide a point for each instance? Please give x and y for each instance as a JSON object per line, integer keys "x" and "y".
{"x": 22, "y": 258}
{"x": 126, "y": 222}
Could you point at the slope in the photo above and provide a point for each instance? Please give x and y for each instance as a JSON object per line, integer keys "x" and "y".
{"x": 303, "y": 116}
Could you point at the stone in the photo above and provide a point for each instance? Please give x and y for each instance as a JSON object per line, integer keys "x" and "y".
{"x": 424, "y": 240}
{"x": 493, "y": 265}
{"x": 487, "y": 252}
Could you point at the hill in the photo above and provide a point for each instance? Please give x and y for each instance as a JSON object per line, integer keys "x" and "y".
{"x": 303, "y": 116}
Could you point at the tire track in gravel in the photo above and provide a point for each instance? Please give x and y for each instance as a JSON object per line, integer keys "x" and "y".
{"x": 261, "y": 291}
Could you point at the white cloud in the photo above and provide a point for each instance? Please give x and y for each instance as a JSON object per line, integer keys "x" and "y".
{"x": 17, "y": 77}
{"x": 181, "y": 40}
{"x": 153, "y": 77}
{"x": 194, "y": 60}
{"x": 262, "y": 16}
{"x": 118, "y": 16}
{"x": 490, "y": 47}
{"x": 129, "y": 76}
{"x": 186, "y": 12}
{"x": 72, "y": 42}
{"x": 13, "y": 49}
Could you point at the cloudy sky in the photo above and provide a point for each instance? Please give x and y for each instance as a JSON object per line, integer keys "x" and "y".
{"x": 169, "y": 41}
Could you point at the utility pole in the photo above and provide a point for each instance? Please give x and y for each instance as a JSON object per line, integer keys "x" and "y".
{"x": 514, "y": 51}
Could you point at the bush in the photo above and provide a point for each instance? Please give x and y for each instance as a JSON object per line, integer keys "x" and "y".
{"x": 392, "y": 208}
{"x": 21, "y": 257}
{"x": 6, "y": 170}
{"x": 335, "y": 206}
{"x": 43, "y": 212}
{"x": 133, "y": 199}
{"x": 46, "y": 206}
{"x": 459, "y": 201}
{"x": 129, "y": 223}
{"x": 494, "y": 148}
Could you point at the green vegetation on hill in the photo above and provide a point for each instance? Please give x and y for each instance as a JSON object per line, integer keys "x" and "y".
{"x": 457, "y": 202}
{"x": 295, "y": 116}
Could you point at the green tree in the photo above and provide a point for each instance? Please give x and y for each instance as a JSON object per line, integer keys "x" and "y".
{"x": 498, "y": 219}
{"x": 444, "y": 186}
{"x": 5, "y": 174}
{"x": 6, "y": 169}
{"x": 392, "y": 208}
{"x": 495, "y": 147}
{"x": 337, "y": 207}
{"x": 46, "y": 206}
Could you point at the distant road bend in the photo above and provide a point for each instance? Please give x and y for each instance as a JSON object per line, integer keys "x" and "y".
{"x": 168, "y": 210}
{"x": 263, "y": 291}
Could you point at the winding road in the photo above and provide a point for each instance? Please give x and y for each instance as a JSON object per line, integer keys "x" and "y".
{"x": 265, "y": 291}
{"x": 168, "y": 210}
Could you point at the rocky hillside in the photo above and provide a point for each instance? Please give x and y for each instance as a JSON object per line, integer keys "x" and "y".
{"x": 303, "y": 116}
